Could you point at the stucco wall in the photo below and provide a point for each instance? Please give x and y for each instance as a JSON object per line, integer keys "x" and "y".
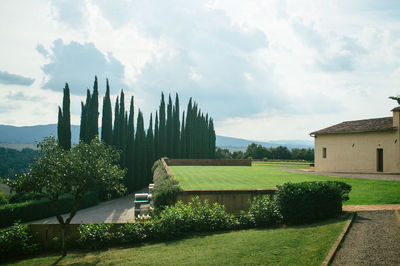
{"x": 233, "y": 200}
{"x": 357, "y": 152}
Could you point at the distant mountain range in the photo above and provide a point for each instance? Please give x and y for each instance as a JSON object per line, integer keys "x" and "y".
{"x": 16, "y": 137}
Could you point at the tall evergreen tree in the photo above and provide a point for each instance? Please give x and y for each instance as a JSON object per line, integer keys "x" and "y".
{"x": 130, "y": 179}
{"x": 140, "y": 153}
{"x": 149, "y": 150}
{"x": 116, "y": 139}
{"x": 122, "y": 129}
{"x": 84, "y": 117}
{"x": 162, "y": 137}
{"x": 183, "y": 137}
{"x": 92, "y": 124}
{"x": 60, "y": 131}
{"x": 169, "y": 127}
{"x": 176, "y": 129}
{"x": 156, "y": 136}
{"x": 106, "y": 122}
{"x": 66, "y": 119}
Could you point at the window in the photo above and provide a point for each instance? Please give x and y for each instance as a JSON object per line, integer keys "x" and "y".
{"x": 323, "y": 152}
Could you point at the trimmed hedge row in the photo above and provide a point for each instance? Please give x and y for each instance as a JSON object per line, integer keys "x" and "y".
{"x": 39, "y": 209}
{"x": 165, "y": 189}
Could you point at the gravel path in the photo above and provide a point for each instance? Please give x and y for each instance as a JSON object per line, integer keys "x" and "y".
{"x": 119, "y": 210}
{"x": 390, "y": 177}
{"x": 373, "y": 239}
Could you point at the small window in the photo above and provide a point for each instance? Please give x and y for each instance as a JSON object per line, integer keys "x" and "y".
{"x": 323, "y": 152}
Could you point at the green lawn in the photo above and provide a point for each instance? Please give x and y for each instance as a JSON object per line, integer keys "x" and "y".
{"x": 268, "y": 176}
{"x": 300, "y": 245}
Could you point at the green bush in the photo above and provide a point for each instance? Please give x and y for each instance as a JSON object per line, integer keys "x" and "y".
{"x": 307, "y": 202}
{"x": 3, "y": 199}
{"x": 164, "y": 193}
{"x": 95, "y": 236}
{"x": 39, "y": 209}
{"x": 132, "y": 233}
{"x": 16, "y": 242}
{"x": 196, "y": 216}
{"x": 263, "y": 212}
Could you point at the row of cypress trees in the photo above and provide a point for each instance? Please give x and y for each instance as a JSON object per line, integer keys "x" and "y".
{"x": 191, "y": 137}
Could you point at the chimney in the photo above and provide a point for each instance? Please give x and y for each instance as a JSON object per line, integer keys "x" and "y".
{"x": 396, "y": 117}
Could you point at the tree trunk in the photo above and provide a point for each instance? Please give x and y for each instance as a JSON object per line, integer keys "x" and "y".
{"x": 63, "y": 239}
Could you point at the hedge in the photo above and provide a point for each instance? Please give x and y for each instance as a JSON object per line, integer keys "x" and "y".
{"x": 307, "y": 202}
{"x": 39, "y": 209}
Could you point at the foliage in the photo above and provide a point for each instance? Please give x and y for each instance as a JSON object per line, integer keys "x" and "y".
{"x": 264, "y": 212}
{"x": 106, "y": 121}
{"x": 130, "y": 233}
{"x": 64, "y": 121}
{"x": 164, "y": 193}
{"x": 3, "y": 198}
{"x": 307, "y": 202}
{"x": 14, "y": 161}
{"x": 196, "y": 216}
{"x": 76, "y": 171}
{"x": 41, "y": 208}
{"x": 17, "y": 241}
{"x": 95, "y": 236}
{"x": 259, "y": 152}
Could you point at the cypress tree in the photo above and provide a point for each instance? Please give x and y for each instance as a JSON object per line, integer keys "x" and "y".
{"x": 122, "y": 129}
{"x": 130, "y": 179}
{"x": 60, "y": 131}
{"x": 149, "y": 150}
{"x": 84, "y": 117}
{"x": 169, "y": 128}
{"x": 176, "y": 129}
{"x": 116, "y": 124}
{"x": 212, "y": 139}
{"x": 183, "y": 137}
{"x": 93, "y": 114}
{"x": 106, "y": 122}
{"x": 156, "y": 136}
{"x": 162, "y": 145}
{"x": 140, "y": 156}
{"x": 66, "y": 119}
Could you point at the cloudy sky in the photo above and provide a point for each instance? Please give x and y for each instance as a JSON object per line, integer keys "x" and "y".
{"x": 264, "y": 70}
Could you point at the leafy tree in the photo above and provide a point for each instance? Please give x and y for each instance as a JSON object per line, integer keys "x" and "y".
{"x": 396, "y": 98}
{"x": 57, "y": 171}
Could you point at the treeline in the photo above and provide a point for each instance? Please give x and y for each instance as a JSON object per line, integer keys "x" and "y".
{"x": 259, "y": 152}
{"x": 13, "y": 161}
{"x": 193, "y": 136}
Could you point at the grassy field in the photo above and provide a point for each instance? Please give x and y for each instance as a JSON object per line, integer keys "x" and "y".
{"x": 300, "y": 245}
{"x": 267, "y": 175}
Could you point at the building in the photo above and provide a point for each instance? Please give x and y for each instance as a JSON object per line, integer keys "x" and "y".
{"x": 362, "y": 146}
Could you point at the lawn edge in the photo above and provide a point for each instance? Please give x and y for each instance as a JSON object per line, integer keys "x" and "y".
{"x": 335, "y": 247}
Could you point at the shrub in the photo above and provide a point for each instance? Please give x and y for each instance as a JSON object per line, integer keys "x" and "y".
{"x": 95, "y": 236}
{"x": 164, "y": 193}
{"x": 132, "y": 233}
{"x": 180, "y": 219}
{"x": 307, "y": 202}
{"x": 39, "y": 209}
{"x": 17, "y": 241}
{"x": 263, "y": 211}
{"x": 3, "y": 199}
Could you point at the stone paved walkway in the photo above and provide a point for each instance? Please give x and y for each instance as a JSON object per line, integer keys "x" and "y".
{"x": 119, "y": 210}
{"x": 373, "y": 239}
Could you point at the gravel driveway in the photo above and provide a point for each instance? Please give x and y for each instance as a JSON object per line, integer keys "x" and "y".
{"x": 119, "y": 210}
{"x": 373, "y": 239}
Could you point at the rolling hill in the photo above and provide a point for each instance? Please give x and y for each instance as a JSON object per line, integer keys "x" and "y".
{"x": 26, "y": 136}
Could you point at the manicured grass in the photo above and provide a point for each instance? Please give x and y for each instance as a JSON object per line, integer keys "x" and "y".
{"x": 364, "y": 191}
{"x": 301, "y": 245}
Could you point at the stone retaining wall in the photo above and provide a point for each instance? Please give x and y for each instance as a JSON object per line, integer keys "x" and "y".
{"x": 233, "y": 200}
{"x": 209, "y": 162}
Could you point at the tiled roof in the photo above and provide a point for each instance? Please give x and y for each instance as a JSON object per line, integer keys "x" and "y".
{"x": 396, "y": 109}
{"x": 366, "y": 125}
